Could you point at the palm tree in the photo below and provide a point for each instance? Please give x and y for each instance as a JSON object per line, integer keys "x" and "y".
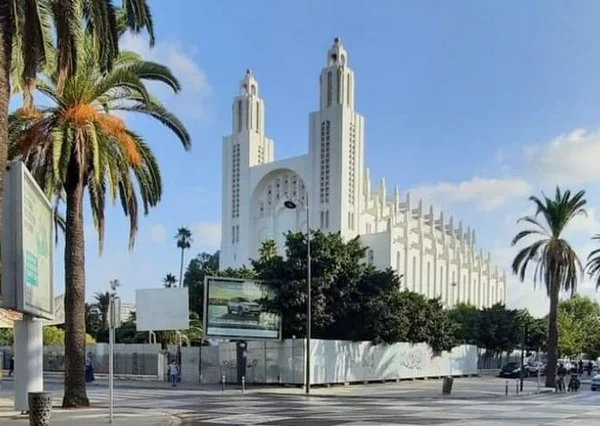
{"x": 184, "y": 242}
{"x": 556, "y": 263}
{"x": 77, "y": 143}
{"x": 103, "y": 303}
{"x": 593, "y": 263}
{"x": 27, "y": 28}
{"x": 169, "y": 281}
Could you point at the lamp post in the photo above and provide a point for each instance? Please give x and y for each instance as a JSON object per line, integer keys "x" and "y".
{"x": 453, "y": 295}
{"x": 292, "y": 205}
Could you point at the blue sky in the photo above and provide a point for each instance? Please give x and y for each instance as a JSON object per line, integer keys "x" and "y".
{"x": 474, "y": 105}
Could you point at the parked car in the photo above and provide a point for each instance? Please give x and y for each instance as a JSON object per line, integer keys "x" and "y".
{"x": 243, "y": 307}
{"x": 513, "y": 370}
{"x": 595, "y": 385}
{"x": 535, "y": 368}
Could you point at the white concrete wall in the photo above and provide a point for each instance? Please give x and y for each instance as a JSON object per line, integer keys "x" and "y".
{"x": 335, "y": 361}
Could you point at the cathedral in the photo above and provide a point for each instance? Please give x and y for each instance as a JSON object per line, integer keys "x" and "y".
{"x": 330, "y": 187}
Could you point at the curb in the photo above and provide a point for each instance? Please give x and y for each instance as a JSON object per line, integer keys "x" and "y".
{"x": 415, "y": 398}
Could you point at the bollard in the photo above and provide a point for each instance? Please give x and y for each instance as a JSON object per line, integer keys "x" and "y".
{"x": 243, "y": 383}
{"x": 506, "y": 390}
{"x": 517, "y": 386}
{"x": 40, "y": 408}
{"x": 223, "y": 383}
{"x": 447, "y": 385}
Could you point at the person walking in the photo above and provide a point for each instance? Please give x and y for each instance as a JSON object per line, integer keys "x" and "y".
{"x": 12, "y": 366}
{"x": 173, "y": 373}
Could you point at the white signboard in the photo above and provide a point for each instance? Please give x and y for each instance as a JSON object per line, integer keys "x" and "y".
{"x": 233, "y": 309}
{"x": 27, "y": 245}
{"x": 162, "y": 309}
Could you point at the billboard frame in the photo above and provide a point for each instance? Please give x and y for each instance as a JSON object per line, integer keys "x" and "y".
{"x": 14, "y": 287}
{"x": 206, "y": 336}
{"x": 142, "y": 328}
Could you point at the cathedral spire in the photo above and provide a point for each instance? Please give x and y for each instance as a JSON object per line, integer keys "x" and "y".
{"x": 337, "y": 79}
{"x": 248, "y": 108}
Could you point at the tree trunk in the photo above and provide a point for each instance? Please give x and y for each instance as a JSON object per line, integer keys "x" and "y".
{"x": 552, "y": 335}
{"x": 181, "y": 269}
{"x": 75, "y": 393}
{"x": 6, "y": 36}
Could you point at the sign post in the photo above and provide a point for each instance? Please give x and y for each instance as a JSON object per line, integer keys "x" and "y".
{"x": 114, "y": 321}
{"x": 27, "y": 274}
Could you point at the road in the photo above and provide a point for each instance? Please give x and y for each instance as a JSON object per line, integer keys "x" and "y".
{"x": 373, "y": 405}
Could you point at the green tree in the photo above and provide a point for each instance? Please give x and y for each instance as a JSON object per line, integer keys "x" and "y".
{"x": 93, "y": 319}
{"x": 6, "y": 336}
{"x": 466, "y": 318}
{"x": 184, "y": 242}
{"x": 579, "y": 326}
{"x": 77, "y": 143}
{"x": 169, "y": 281}
{"x": 556, "y": 263}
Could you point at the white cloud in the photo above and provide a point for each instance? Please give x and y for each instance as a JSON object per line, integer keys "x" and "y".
{"x": 569, "y": 158}
{"x": 207, "y": 235}
{"x": 157, "y": 233}
{"x": 192, "y": 99}
{"x": 487, "y": 194}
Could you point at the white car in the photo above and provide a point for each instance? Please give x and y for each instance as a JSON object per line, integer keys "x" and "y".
{"x": 595, "y": 382}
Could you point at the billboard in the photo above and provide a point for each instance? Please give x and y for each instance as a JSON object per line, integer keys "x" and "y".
{"x": 27, "y": 245}
{"x": 232, "y": 309}
{"x": 162, "y": 309}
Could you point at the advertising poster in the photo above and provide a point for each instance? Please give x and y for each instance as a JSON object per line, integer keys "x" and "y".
{"x": 233, "y": 309}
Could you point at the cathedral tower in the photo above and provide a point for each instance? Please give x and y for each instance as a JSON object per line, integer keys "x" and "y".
{"x": 336, "y": 148}
{"x": 247, "y": 146}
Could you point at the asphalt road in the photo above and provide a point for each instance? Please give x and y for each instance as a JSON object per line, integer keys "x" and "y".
{"x": 372, "y": 405}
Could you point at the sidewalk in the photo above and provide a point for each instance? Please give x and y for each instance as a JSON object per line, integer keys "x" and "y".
{"x": 89, "y": 416}
{"x": 464, "y": 388}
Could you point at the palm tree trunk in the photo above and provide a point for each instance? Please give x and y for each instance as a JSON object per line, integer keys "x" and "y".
{"x": 181, "y": 269}
{"x": 6, "y": 36}
{"x": 552, "y": 335}
{"x": 75, "y": 393}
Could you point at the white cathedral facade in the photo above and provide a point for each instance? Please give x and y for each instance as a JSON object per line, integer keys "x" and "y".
{"x": 436, "y": 256}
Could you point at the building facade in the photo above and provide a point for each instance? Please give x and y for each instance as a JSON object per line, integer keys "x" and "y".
{"x": 435, "y": 256}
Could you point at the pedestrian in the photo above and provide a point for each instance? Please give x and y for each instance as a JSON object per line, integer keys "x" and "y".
{"x": 12, "y": 366}
{"x": 89, "y": 371}
{"x": 580, "y": 367}
{"x": 174, "y": 373}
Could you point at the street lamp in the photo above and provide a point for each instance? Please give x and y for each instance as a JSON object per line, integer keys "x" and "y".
{"x": 453, "y": 294}
{"x": 292, "y": 206}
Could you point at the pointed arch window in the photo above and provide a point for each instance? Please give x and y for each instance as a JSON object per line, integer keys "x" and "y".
{"x": 329, "y": 88}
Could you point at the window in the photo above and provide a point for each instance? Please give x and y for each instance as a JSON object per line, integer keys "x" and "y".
{"x": 348, "y": 90}
{"x": 428, "y": 289}
{"x": 239, "y": 120}
{"x": 257, "y": 117}
{"x": 414, "y": 273}
{"x": 329, "y": 88}
{"x": 370, "y": 257}
{"x": 339, "y": 86}
{"x": 368, "y": 228}
{"x": 326, "y": 219}
{"x": 233, "y": 234}
{"x": 322, "y": 220}
{"x": 249, "y": 116}
{"x": 253, "y": 89}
